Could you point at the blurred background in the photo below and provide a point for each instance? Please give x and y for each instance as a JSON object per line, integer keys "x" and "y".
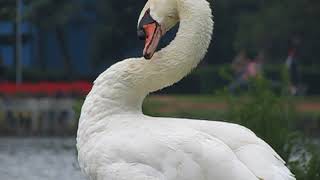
{"x": 262, "y": 71}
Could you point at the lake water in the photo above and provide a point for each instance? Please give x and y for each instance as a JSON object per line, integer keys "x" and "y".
{"x": 39, "y": 159}
{"x": 43, "y": 159}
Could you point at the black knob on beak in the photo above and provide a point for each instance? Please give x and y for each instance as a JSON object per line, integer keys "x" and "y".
{"x": 141, "y": 34}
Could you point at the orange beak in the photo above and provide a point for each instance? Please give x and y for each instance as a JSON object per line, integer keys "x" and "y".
{"x": 153, "y": 36}
{"x": 150, "y": 31}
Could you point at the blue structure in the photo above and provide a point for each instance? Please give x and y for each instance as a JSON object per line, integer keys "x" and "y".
{"x": 7, "y": 49}
{"x": 78, "y": 39}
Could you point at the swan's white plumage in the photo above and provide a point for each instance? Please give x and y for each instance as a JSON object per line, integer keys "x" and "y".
{"x": 117, "y": 142}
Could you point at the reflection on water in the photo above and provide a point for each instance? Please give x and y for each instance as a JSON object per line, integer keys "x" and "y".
{"x": 39, "y": 159}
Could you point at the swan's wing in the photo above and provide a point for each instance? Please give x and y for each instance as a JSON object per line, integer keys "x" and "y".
{"x": 260, "y": 161}
{"x": 252, "y": 151}
{"x": 234, "y": 135}
{"x": 217, "y": 160}
{"x": 158, "y": 151}
{"x": 126, "y": 171}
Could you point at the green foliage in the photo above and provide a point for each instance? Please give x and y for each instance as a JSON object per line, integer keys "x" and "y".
{"x": 272, "y": 117}
{"x": 51, "y": 13}
{"x": 274, "y": 23}
{"x": 7, "y": 9}
{"x": 306, "y": 159}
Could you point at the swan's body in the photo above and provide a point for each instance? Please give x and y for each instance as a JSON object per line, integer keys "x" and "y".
{"x": 117, "y": 142}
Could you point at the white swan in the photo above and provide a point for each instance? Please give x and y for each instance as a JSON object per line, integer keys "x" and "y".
{"x": 117, "y": 142}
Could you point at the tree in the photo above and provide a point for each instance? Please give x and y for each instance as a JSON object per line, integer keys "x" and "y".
{"x": 7, "y": 9}
{"x": 273, "y": 24}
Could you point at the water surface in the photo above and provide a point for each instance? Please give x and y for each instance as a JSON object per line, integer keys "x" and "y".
{"x": 39, "y": 159}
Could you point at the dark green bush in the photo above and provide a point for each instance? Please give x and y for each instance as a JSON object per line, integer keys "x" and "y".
{"x": 305, "y": 162}
{"x": 272, "y": 116}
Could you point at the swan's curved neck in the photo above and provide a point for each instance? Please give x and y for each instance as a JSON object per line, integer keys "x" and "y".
{"x": 187, "y": 49}
{"x": 122, "y": 88}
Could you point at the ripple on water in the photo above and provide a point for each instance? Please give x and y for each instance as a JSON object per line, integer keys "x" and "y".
{"x": 39, "y": 159}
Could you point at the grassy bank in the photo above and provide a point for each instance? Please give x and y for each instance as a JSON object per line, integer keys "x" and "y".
{"x": 210, "y": 106}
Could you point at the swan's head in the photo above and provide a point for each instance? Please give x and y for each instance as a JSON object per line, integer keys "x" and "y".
{"x": 156, "y": 18}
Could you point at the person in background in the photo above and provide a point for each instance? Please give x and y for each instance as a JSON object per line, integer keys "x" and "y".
{"x": 239, "y": 66}
{"x": 292, "y": 66}
{"x": 251, "y": 68}
{"x": 254, "y": 67}
{"x": 239, "y": 63}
